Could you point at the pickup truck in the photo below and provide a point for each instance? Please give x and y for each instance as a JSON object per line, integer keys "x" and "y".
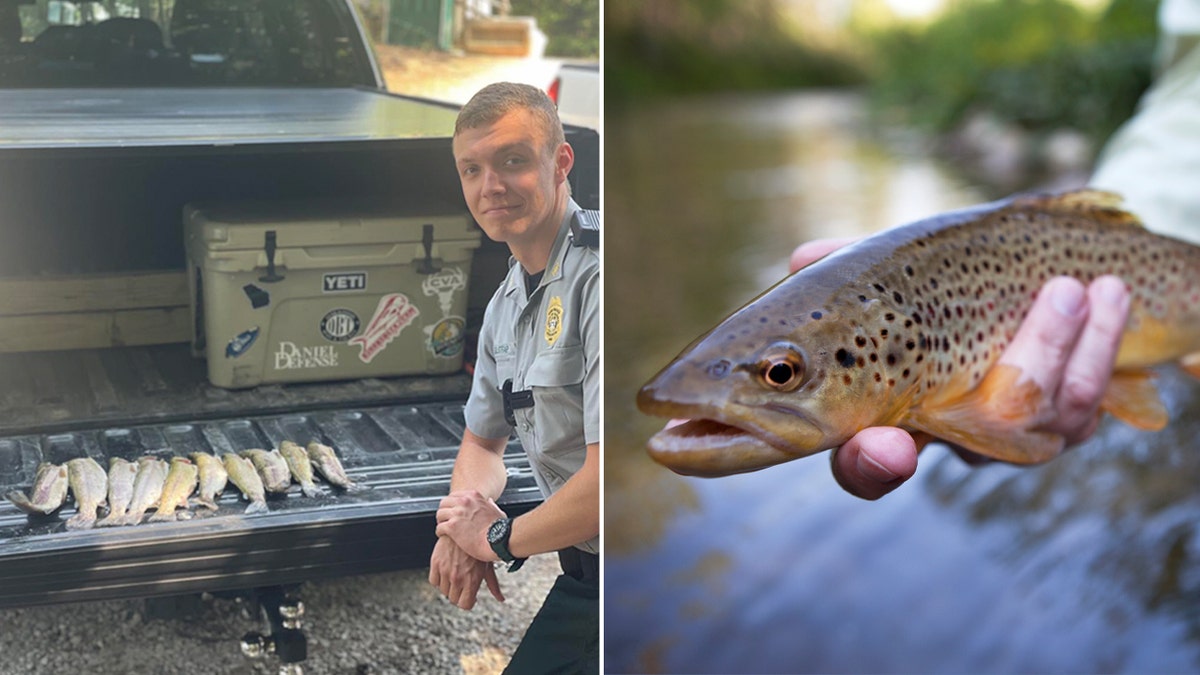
{"x": 114, "y": 116}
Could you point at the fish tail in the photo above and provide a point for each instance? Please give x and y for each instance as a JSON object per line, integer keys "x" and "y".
{"x": 311, "y": 490}
{"x": 133, "y": 517}
{"x": 22, "y": 502}
{"x": 80, "y": 521}
{"x": 111, "y": 520}
{"x": 163, "y": 516}
{"x": 256, "y": 507}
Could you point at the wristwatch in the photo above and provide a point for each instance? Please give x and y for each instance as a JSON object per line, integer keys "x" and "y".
{"x": 497, "y": 536}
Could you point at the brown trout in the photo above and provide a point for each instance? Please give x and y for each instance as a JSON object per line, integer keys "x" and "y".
{"x": 49, "y": 491}
{"x": 301, "y": 468}
{"x": 121, "y": 474}
{"x": 903, "y": 328}
{"x": 89, "y": 486}
{"x": 242, "y": 474}
{"x": 326, "y": 461}
{"x": 147, "y": 488}
{"x": 213, "y": 478}
{"x": 272, "y": 467}
{"x": 181, "y": 481}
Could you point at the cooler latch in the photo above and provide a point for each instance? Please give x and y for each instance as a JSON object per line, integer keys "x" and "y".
{"x": 269, "y": 247}
{"x": 428, "y": 265}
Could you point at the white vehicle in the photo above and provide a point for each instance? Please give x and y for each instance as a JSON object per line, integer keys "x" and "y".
{"x": 576, "y": 90}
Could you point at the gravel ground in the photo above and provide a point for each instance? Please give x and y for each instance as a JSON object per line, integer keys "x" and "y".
{"x": 367, "y": 625}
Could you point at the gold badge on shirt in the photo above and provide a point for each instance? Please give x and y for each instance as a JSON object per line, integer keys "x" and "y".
{"x": 554, "y": 320}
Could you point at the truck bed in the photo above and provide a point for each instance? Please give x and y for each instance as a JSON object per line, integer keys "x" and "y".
{"x": 227, "y": 117}
{"x": 398, "y": 437}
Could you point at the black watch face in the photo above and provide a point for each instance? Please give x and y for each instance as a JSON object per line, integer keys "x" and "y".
{"x": 496, "y": 531}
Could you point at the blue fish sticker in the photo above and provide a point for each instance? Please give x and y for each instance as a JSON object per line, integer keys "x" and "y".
{"x": 238, "y": 345}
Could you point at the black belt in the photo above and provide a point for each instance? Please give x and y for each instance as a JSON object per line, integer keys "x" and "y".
{"x": 580, "y": 565}
{"x": 515, "y": 400}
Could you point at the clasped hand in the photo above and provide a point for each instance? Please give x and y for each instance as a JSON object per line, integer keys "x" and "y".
{"x": 461, "y": 559}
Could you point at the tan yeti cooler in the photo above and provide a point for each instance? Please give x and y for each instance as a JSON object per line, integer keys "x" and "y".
{"x": 283, "y": 297}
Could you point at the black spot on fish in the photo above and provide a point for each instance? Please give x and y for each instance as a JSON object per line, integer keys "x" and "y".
{"x": 860, "y": 341}
{"x": 816, "y": 315}
{"x": 845, "y": 358}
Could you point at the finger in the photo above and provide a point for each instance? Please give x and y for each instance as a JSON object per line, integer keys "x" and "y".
{"x": 443, "y": 530}
{"x": 493, "y": 584}
{"x": 1089, "y": 368}
{"x": 460, "y": 595}
{"x": 1049, "y": 332}
{"x": 875, "y": 461}
{"x": 810, "y": 252}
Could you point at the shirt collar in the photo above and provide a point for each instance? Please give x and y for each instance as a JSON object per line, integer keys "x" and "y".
{"x": 562, "y": 243}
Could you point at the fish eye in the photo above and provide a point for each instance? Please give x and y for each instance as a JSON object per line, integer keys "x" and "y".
{"x": 782, "y": 369}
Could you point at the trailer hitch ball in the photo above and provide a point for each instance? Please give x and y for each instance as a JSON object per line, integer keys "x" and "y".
{"x": 255, "y": 645}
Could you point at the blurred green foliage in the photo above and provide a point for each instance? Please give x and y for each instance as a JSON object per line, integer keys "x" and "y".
{"x": 1039, "y": 63}
{"x": 671, "y": 47}
{"x": 571, "y": 26}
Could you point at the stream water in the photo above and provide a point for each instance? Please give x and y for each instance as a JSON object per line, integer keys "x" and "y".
{"x": 1090, "y": 563}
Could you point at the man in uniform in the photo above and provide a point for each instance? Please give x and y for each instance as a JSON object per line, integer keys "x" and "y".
{"x": 538, "y": 372}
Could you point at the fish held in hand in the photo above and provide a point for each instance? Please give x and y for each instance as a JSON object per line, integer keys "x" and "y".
{"x": 326, "y": 461}
{"x": 243, "y": 474}
{"x": 300, "y": 467}
{"x": 48, "y": 493}
{"x": 121, "y": 474}
{"x": 905, "y": 328}
{"x": 272, "y": 468}
{"x": 147, "y": 488}
{"x": 89, "y": 486}
{"x": 181, "y": 481}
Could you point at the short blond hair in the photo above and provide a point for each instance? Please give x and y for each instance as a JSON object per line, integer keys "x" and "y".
{"x": 497, "y": 100}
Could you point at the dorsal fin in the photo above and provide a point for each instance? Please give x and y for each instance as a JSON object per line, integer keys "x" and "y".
{"x": 1097, "y": 204}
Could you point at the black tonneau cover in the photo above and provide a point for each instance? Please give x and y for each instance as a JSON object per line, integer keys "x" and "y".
{"x": 122, "y": 118}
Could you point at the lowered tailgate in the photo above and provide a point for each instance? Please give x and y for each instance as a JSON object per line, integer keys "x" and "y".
{"x": 401, "y": 452}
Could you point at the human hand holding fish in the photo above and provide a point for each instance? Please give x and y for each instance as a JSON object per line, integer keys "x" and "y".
{"x": 960, "y": 327}
{"x": 1067, "y": 344}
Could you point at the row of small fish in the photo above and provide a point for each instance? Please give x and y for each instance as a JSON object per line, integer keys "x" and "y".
{"x": 129, "y": 489}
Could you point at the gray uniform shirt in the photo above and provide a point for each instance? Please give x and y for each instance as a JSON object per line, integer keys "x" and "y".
{"x": 547, "y": 343}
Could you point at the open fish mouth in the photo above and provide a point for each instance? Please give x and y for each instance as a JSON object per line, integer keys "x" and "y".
{"x": 709, "y": 449}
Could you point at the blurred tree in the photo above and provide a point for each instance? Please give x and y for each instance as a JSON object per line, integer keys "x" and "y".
{"x": 1042, "y": 64}
{"x": 571, "y": 26}
{"x": 669, "y": 47}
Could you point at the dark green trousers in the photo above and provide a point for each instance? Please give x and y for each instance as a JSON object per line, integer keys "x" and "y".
{"x": 565, "y": 635}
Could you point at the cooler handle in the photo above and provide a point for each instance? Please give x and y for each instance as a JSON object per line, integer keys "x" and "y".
{"x": 269, "y": 246}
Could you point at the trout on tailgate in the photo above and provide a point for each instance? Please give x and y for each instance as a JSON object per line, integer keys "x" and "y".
{"x": 904, "y": 328}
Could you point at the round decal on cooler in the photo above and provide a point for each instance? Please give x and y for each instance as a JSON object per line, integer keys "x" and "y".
{"x": 339, "y": 325}
{"x": 446, "y": 339}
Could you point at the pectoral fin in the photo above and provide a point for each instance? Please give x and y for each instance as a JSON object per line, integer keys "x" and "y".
{"x": 993, "y": 420}
{"x": 1132, "y": 398}
{"x": 1191, "y": 364}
